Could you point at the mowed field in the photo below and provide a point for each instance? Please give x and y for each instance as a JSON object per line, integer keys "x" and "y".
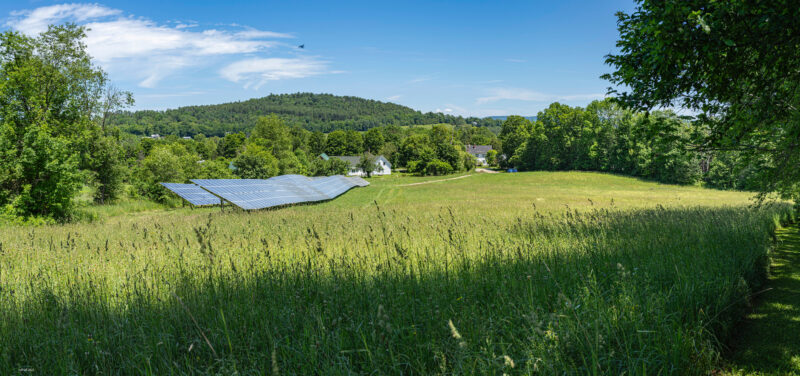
{"x": 491, "y": 273}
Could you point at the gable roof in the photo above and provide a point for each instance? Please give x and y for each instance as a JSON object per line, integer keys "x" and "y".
{"x": 354, "y": 159}
{"x": 478, "y": 149}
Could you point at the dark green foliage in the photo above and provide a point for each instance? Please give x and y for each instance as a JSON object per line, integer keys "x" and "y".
{"x": 230, "y": 144}
{"x": 314, "y": 112}
{"x": 317, "y": 143}
{"x": 515, "y": 131}
{"x": 735, "y": 62}
{"x": 373, "y": 140}
{"x": 108, "y": 170}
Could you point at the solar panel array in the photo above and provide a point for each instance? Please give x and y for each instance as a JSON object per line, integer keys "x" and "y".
{"x": 252, "y": 194}
{"x": 195, "y": 195}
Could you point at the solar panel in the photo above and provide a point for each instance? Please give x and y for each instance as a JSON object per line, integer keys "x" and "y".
{"x": 193, "y": 194}
{"x": 359, "y": 181}
{"x": 280, "y": 190}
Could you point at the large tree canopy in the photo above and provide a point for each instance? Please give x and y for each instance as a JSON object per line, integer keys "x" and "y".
{"x": 736, "y": 63}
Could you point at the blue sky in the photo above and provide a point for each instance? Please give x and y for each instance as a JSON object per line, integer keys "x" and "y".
{"x": 472, "y": 58}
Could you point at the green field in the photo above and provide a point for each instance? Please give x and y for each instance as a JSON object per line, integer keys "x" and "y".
{"x": 578, "y": 273}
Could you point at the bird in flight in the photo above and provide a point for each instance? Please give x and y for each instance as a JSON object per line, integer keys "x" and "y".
{"x": 301, "y": 46}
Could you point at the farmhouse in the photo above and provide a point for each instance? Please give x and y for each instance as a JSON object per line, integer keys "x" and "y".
{"x": 383, "y": 167}
{"x": 479, "y": 152}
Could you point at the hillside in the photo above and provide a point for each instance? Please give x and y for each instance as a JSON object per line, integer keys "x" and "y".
{"x": 316, "y": 112}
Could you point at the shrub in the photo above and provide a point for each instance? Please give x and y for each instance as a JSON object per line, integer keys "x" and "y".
{"x": 438, "y": 167}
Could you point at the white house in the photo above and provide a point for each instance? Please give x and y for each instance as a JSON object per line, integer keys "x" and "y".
{"x": 479, "y": 152}
{"x": 383, "y": 167}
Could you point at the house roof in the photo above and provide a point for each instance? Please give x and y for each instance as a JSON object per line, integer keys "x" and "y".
{"x": 478, "y": 149}
{"x": 324, "y": 156}
{"x": 354, "y": 159}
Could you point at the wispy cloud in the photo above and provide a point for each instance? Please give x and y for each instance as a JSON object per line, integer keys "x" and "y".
{"x": 417, "y": 80}
{"x": 256, "y": 72}
{"x": 394, "y": 97}
{"x": 35, "y": 21}
{"x": 499, "y": 94}
{"x": 149, "y": 52}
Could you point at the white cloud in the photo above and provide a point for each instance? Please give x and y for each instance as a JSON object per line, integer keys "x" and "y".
{"x": 394, "y": 97}
{"x": 36, "y": 21}
{"x": 498, "y": 94}
{"x": 444, "y": 111}
{"x": 144, "y": 50}
{"x": 256, "y": 72}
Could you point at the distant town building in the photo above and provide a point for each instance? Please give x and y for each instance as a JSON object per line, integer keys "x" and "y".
{"x": 187, "y": 137}
{"x": 383, "y": 167}
{"x": 479, "y": 152}
{"x": 155, "y": 136}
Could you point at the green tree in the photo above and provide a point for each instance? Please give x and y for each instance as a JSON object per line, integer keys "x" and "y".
{"x": 354, "y": 142}
{"x": 332, "y": 166}
{"x": 735, "y": 62}
{"x": 336, "y": 143}
{"x": 255, "y": 162}
{"x": 415, "y": 148}
{"x": 491, "y": 157}
{"x": 515, "y": 131}
{"x": 230, "y": 144}
{"x": 438, "y": 167}
{"x": 166, "y": 163}
{"x": 107, "y": 167}
{"x": 368, "y": 163}
{"x": 317, "y": 143}
{"x": 50, "y": 92}
{"x": 373, "y": 140}
{"x": 272, "y": 134}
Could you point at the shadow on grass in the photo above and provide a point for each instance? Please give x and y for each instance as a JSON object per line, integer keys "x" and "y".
{"x": 640, "y": 292}
{"x": 769, "y": 340}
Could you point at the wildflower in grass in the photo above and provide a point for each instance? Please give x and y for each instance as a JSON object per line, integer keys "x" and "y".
{"x": 456, "y": 335}
{"x": 508, "y": 362}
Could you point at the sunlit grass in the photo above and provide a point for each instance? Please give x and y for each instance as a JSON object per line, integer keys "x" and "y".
{"x": 548, "y": 272}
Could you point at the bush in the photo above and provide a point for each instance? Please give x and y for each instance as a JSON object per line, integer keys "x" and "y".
{"x": 438, "y": 167}
{"x": 165, "y": 164}
{"x": 333, "y": 166}
{"x": 256, "y": 163}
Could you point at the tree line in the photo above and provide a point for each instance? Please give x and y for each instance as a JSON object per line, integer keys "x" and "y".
{"x": 315, "y": 112}
{"x": 659, "y": 145}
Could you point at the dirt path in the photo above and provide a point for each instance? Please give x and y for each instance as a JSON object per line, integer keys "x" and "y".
{"x": 434, "y": 181}
{"x": 769, "y": 340}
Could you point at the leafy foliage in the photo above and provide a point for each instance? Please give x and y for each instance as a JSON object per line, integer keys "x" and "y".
{"x": 735, "y": 62}
{"x": 50, "y": 96}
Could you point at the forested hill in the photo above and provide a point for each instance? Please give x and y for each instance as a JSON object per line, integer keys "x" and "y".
{"x": 316, "y": 112}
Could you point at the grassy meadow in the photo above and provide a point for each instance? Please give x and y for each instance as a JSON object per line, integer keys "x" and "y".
{"x": 568, "y": 273}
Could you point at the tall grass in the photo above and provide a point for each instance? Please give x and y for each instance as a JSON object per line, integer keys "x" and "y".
{"x": 385, "y": 289}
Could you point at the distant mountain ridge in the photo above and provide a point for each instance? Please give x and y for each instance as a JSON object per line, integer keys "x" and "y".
{"x": 315, "y": 112}
{"x": 503, "y": 118}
